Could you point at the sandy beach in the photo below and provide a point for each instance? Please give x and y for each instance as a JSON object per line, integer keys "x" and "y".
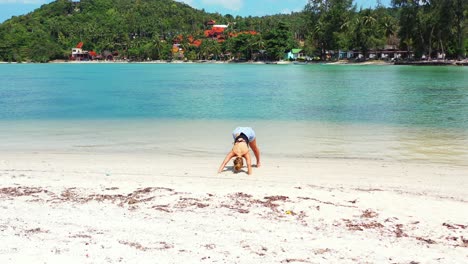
{"x": 87, "y": 204}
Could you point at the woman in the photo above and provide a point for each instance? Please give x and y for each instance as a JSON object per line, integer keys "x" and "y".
{"x": 243, "y": 138}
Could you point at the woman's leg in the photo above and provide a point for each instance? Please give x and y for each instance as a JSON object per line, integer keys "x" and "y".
{"x": 256, "y": 151}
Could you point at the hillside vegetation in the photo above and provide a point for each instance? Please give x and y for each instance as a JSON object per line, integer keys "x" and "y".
{"x": 136, "y": 28}
{"x": 146, "y": 29}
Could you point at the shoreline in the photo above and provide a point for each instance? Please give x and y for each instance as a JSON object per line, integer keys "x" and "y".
{"x": 340, "y": 62}
{"x": 306, "y": 139}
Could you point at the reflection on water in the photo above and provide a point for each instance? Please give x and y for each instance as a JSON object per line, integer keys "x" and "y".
{"x": 213, "y": 138}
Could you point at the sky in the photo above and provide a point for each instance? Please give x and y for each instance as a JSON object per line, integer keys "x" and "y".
{"x": 9, "y": 8}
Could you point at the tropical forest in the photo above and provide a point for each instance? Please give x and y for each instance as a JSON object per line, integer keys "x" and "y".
{"x": 141, "y": 30}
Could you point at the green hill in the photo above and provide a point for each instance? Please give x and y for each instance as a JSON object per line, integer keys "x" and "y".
{"x": 135, "y": 28}
{"x": 146, "y": 29}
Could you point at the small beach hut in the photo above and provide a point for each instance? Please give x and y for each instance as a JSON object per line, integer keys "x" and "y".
{"x": 294, "y": 54}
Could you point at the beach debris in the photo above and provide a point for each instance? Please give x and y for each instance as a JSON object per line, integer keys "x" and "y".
{"x": 132, "y": 201}
{"x": 134, "y": 245}
{"x": 80, "y": 236}
{"x": 369, "y": 190}
{"x": 399, "y": 231}
{"x": 269, "y": 203}
{"x": 160, "y": 245}
{"x": 361, "y": 226}
{"x": 289, "y": 212}
{"x": 36, "y": 231}
{"x": 301, "y": 217}
{"x": 165, "y": 245}
{"x": 464, "y": 241}
{"x": 210, "y": 246}
{"x": 185, "y": 202}
{"x": 295, "y": 260}
{"x": 20, "y": 191}
{"x": 238, "y": 202}
{"x": 391, "y": 219}
{"x": 369, "y": 213}
{"x": 255, "y": 249}
{"x": 427, "y": 240}
{"x": 242, "y": 202}
{"x": 320, "y": 251}
{"x": 241, "y": 195}
{"x": 454, "y": 226}
{"x": 163, "y": 208}
{"x": 276, "y": 198}
{"x": 236, "y": 208}
{"x": 270, "y": 208}
{"x": 68, "y": 194}
{"x": 452, "y": 238}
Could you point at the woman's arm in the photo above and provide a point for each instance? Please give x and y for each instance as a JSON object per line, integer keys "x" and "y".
{"x": 249, "y": 163}
{"x": 256, "y": 151}
{"x": 226, "y": 160}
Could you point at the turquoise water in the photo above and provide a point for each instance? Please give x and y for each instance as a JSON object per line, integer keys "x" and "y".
{"x": 398, "y": 95}
{"x": 396, "y": 113}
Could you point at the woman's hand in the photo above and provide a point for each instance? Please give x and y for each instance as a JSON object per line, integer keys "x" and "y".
{"x": 226, "y": 160}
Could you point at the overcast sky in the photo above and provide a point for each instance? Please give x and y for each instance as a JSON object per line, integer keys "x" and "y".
{"x": 9, "y": 8}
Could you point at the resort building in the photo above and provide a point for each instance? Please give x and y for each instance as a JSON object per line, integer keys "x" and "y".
{"x": 78, "y": 54}
{"x": 389, "y": 52}
{"x": 295, "y": 54}
{"x": 216, "y": 32}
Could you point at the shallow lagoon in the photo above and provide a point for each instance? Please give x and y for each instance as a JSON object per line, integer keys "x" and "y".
{"x": 403, "y": 113}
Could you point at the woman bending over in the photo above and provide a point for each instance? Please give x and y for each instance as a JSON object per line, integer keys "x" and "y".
{"x": 244, "y": 137}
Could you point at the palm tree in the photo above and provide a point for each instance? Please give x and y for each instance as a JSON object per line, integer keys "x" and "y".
{"x": 157, "y": 46}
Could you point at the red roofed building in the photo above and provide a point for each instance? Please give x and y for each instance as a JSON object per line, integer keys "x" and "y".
{"x": 216, "y": 32}
{"x": 196, "y": 43}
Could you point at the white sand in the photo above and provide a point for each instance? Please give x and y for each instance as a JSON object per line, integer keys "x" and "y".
{"x": 85, "y": 204}
{"x": 141, "y": 208}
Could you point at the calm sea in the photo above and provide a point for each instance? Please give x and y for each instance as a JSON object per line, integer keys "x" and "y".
{"x": 338, "y": 111}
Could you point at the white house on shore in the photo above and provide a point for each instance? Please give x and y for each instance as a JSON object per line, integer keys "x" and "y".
{"x": 295, "y": 54}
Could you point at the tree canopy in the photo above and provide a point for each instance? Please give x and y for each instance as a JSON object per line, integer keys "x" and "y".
{"x": 138, "y": 29}
{"x": 146, "y": 29}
